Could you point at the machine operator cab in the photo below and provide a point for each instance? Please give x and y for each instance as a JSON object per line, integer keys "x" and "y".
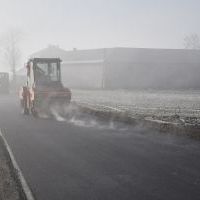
{"x": 44, "y": 73}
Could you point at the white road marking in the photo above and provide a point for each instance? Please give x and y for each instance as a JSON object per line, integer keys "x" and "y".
{"x": 20, "y": 176}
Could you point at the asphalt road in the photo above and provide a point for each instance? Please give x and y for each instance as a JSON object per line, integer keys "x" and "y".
{"x": 74, "y": 160}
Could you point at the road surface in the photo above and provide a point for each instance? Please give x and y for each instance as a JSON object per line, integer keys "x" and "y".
{"x": 86, "y": 159}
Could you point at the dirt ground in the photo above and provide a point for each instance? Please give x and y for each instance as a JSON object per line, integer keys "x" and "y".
{"x": 8, "y": 186}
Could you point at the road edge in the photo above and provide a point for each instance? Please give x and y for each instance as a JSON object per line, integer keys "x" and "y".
{"x": 161, "y": 126}
{"x": 18, "y": 173}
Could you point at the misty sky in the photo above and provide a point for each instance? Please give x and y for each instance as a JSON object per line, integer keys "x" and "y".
{"x": 101, "y": 23}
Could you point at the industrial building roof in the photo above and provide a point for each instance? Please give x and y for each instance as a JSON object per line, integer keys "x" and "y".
{"x": 119, "y": 54}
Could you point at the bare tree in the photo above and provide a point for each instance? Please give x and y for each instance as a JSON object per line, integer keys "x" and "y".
{"x": 10, "y": 50}
{"x": 192, "y": 41}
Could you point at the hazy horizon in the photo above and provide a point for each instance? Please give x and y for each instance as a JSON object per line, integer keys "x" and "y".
{"x": 100, "y": 24}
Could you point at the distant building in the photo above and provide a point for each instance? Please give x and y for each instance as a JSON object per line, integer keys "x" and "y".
{"x": 80, "y": 68}
{"x": 130, "y": 68}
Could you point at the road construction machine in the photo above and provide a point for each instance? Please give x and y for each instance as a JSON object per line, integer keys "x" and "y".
{"x": 44, "y": 89}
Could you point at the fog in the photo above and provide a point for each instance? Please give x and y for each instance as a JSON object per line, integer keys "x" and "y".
{"x": 98, "y": 24}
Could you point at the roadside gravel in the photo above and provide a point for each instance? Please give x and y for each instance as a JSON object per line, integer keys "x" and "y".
{"x": 9, "y": 189}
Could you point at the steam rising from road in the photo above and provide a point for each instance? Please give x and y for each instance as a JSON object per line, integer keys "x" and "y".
{"x": 56, "y": 114}
{"x": 72, "y": 114}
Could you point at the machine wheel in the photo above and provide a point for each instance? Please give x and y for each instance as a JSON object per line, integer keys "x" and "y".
{"x": 34, "y": 112}
{"x": 26, "y": 111}
{"x": 24, "y": 101}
